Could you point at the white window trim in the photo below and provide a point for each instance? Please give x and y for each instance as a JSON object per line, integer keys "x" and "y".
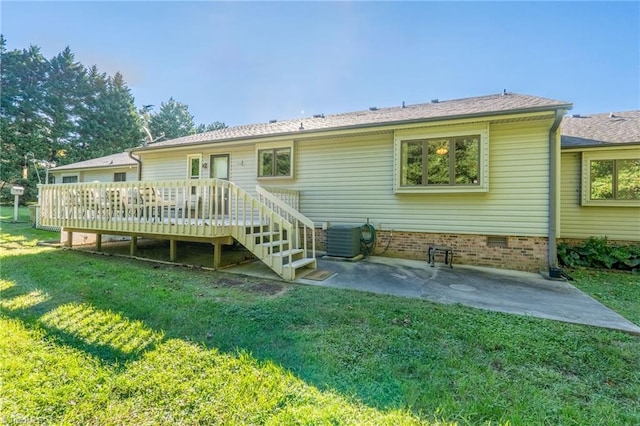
{"x": 120, "y": 173}
{"x": 272, "y": 145}
{"x": 189, "y": 158}
{"x": 585, "y": 190}
{"x": 426, "y": 133}
{"x": 68, "y": 176}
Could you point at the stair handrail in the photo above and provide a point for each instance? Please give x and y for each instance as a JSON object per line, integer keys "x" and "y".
{"x": 299, "y": 217}
{"x": 284, "y": 206}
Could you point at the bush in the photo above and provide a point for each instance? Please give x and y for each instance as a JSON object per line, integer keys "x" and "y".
{"x": 597, "y": 252}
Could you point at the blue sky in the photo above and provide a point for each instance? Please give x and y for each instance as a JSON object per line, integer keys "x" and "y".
{"x": 249, "y": 62}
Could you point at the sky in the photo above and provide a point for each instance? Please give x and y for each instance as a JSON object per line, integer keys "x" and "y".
{"x": 251, "y": 62}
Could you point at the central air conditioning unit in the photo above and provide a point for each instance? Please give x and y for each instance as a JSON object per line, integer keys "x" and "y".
{"x": 343, "y": 241}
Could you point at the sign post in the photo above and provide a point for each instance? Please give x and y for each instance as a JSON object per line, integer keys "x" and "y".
{"x": 17, "y": 191}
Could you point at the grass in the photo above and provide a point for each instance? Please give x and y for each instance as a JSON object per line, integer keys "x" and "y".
{"x": 88, "y": 339}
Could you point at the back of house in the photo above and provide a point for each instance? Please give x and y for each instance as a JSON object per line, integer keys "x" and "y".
{"x": 478, "y": 174}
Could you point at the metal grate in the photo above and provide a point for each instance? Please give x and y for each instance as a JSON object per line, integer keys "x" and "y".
{"x": 497, "y": 242}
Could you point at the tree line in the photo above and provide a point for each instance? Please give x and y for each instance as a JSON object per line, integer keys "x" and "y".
{"x": 59, "y": 111}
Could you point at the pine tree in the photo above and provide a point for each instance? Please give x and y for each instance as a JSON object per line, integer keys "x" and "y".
{"x": 64, "y": 94}
{"x": 216, "y": 125}
{"x": 109, "y": 122}
{"x": 23, "y": 130}
{"x": 172, "y": 121}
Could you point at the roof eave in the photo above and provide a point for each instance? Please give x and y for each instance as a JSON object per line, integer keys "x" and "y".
{"x": 608, "y": 145}
{"x": 248, "y": 139}
{"x": 110, "y": 166}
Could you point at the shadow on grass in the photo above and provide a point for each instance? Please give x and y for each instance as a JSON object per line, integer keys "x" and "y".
{"x": 106, "y": 335}
{"x": 386, "y": 352}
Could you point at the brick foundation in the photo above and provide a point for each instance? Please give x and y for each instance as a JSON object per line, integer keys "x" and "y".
{"x": 520, "y": 253}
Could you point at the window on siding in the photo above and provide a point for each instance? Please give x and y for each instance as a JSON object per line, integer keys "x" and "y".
{"x": 275, "y": 162}
{"x": 448, "y": 161}
{"x": 611, "y": 178}
{"x": 69, "y": 179}
{"x": 614, "y": 179}
{"x": 120, "y": 177}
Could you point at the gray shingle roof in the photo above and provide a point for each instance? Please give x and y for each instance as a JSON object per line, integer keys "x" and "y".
{"x": 600, "y": 129}
{"x": 121, "y": 159}
{"x": 467, "y": 107}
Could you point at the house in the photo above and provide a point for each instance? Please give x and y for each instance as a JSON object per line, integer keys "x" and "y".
{"x": 600, "y": 185}
{"x": 479, "y": 174}
{"x": 119, "y": 167}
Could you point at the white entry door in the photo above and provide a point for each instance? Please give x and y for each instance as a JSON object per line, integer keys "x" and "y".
{"x": 220, "y": 170}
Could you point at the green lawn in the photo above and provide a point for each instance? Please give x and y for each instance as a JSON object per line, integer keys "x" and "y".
{"x": 88, "y": 339}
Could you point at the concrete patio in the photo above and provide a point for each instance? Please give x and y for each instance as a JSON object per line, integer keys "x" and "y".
{"x": 513, "y": 292}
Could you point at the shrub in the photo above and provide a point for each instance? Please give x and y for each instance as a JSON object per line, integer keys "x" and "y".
{"x": 597, "y": 252}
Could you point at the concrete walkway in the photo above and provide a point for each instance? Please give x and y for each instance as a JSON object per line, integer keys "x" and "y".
{"x": 514, "y": 292}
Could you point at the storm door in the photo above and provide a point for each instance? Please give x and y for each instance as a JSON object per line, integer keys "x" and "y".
{"x": 220, "y": 170}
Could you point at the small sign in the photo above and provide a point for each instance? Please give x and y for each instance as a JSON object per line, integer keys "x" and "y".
{"x": 17, "y": 190}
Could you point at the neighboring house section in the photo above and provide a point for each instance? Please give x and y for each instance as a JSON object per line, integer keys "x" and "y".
{"x": 601, "y": 176}
{"x": 479, "y": 174}
{"x": 111, "y": 168}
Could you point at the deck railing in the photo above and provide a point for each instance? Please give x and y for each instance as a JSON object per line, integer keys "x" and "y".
{"x": 199, "y": 208}
{"x": 203, "y": 209}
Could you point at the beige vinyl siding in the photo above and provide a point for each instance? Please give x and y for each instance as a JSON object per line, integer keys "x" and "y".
{"x": 106, "y": 175}
{"x": 99, "y": 175}
{"x": 347, "y": 180}
{"x": 173, "y": 165}
{"x": 576, "y": 221}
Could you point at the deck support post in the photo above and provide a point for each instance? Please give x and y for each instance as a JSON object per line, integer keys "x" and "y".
{"x": 98, "y": 242}
{"x": 173, "y": 248}
{"x": 217, "y": 253}
{"x": 69, "y": 239}
{"x": 133, "y": 246}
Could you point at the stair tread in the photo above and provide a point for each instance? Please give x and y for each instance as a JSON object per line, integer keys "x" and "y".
{"x": 284, "y": 253}
{"x": 301, "y": 262}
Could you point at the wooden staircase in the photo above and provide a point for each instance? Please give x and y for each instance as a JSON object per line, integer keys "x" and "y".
{"x": 284, "y": 239}
{"x": 278, "y": 249}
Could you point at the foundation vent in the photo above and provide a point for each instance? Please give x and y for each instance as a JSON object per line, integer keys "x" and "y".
{"x": 497, "y": 242}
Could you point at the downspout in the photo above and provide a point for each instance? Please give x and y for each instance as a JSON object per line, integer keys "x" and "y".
{"x": 553, "y": 193}
{"x": 137, "y": 160}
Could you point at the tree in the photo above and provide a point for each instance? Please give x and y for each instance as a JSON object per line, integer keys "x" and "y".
{"x": 64, "y": 91}
{"x": 172, "y": 121}
{"x": 23, "y": 129}
{"x": 58, "y": 110}
{"x": 216, "y": 125}
{"x": 109, "y": 122}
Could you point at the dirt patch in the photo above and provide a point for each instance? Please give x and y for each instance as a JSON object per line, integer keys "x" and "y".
{"x": 230, "y": 282}
{"x": 267, "y": 289}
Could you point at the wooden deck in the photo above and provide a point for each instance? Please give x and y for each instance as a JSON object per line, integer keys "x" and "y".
{"x": 207, "y": 210}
